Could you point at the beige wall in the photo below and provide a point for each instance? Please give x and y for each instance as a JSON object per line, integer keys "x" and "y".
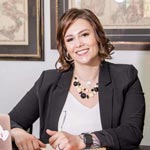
{"x": 16, "y": 77}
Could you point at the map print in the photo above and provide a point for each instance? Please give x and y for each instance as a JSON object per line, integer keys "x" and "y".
{"x": 118, "y": 14}
{"x": 13, "y": 22}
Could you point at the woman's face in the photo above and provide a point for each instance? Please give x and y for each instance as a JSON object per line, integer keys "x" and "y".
{"x": 81, "y": 43}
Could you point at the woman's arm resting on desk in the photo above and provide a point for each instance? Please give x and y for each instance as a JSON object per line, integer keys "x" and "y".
{"x": 24, "y": 140}
{"x": 64, "y": 140}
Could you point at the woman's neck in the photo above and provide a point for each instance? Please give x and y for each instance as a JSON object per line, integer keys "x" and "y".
{"x": 87, "y": 73}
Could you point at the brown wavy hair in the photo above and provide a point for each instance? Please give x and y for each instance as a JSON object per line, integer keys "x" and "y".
{"x": 68, "y": 18}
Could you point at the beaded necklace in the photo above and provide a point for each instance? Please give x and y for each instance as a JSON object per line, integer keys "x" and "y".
{"x": 83, "y": 91}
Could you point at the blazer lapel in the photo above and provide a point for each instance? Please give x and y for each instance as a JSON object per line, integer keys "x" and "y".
{"x": 59, "y": 97}
{"x": 105, "y": 96}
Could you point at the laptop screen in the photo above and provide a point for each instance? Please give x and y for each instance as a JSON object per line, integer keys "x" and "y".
{"x": 5, "y": 138}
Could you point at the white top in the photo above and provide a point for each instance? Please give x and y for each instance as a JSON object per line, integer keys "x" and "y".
{"x": 76, "y": 118}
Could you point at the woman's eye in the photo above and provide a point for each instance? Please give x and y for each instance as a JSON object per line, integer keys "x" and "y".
{"x": 85, "y": 34}
{"x": 69, "y": 39}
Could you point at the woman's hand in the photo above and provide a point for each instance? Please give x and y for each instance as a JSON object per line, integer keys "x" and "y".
{"x": 65, "y": 141}
{"x": 25, "y": 141}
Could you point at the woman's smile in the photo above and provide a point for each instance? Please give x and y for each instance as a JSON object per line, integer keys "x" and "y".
{"x": 82, "y": 52}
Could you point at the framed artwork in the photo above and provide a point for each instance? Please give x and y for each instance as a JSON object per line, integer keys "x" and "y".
{"x": 57, "y": 8}
{"x": 21, "y": 30}
{"x": 126, "y": 22}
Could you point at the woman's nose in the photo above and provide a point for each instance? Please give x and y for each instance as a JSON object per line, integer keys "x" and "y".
{"x": 78, "y": 42}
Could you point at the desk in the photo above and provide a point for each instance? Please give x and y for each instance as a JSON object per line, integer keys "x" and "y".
{"x": 48, "y": 147}
{"x": 142, "y": 147}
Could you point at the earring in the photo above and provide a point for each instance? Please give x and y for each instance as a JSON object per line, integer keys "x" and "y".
{"x": 68, "y": 57}
{"x": 101, "y": 50}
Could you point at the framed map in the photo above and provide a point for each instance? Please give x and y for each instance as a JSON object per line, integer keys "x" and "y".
{"x": 126, "y": 22}
{"x": 21, "y": 30}
{"x": 57, "y": 8}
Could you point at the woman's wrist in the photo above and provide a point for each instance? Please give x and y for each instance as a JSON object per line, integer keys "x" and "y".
{"x": 14, "y": 131}
{"x": 95, "y": 143}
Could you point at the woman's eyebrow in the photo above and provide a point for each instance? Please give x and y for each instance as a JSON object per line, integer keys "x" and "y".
{"x": 69, "y": 35}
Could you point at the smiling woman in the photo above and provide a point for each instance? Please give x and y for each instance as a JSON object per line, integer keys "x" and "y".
{"x": 86, "y": 102}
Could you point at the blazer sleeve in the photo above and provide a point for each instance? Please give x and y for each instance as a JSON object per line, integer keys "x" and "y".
{"x": 26, "y": 112}
{"x": 129, "y": 132}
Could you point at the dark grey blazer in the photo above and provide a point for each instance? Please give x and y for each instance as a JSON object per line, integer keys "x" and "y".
{"x": 121, "y": 99}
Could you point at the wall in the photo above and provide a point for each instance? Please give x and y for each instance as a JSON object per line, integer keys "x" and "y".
{"x": 16, "y": 77}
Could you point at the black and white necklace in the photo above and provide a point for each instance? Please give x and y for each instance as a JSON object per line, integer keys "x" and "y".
{"x": 83, "y": 91}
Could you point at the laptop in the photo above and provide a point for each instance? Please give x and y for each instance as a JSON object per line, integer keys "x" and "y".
{"x": 5, "y": 138}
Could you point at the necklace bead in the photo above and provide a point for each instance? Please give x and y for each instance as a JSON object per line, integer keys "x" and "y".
{"x": 75, "y": 83}
{"x": 83, "y": 95}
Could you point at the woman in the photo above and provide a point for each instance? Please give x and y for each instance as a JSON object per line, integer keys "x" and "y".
{"x": 86, "y": 102}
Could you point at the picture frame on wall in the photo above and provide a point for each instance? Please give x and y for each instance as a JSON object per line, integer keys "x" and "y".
{"x": 57, "y": 8}
{"x": 126, "y": 22}
{"x": 22, "y": 30}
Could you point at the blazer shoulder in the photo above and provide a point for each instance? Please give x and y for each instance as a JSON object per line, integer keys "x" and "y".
{"x": 47, "y": 78}
{"x": 51, "y": 74}
{"x": 126, "y": 72}
{"x": 122, "y": 68}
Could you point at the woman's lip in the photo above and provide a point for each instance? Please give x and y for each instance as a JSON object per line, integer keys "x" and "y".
{"x": 81, "y": 52}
